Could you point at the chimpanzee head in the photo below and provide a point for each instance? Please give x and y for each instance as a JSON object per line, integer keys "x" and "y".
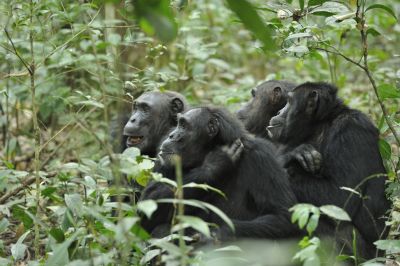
{"x": 267, "y": 99}
{"x": 307, "y": 105}
{"x": 199, "y": 131}
{"x": 154, "y": 115}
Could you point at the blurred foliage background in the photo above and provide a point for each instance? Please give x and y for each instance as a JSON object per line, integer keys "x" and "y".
{"x": 69, "y": 68}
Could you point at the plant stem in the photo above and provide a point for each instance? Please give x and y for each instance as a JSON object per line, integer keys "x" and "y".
{"x": 36, "y": 132}
{"x": 179, "y": 194}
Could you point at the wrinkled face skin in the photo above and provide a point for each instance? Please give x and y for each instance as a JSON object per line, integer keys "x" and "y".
{"x": 294, "y": 117}
{"x": 148, "y": 123}
{"x": 190, "y": 139}
{"x": 267, "y": 99}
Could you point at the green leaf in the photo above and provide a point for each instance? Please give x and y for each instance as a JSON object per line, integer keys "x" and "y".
{"x": 298, "y": 35}
{"x": 386, "y": 91}
{"x": 147, "y": 207}
{"x": 252, "y": 21}
{"x": 298, "y": 49}
{"x": 60, "y": 253}
{"x": 380, "y": 6}
{"x": 335, "y": 212}
{"x": 58, "y": 234}
{"x": 385, "y": 149}
{"x": 301, "y": 4}
{"x": 390, "y": 246}
{"x": 196, "y": 223}
{"x": 316, "y": 2}
{"x": 156, "y": 18}
{"x": 312, "y": 223}
{"x": 18, "y": 249}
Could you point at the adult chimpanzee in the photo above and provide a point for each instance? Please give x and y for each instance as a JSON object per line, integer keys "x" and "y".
{"x": 257, "y": 190}
{"x": 154, "y": 115}
{"x": 267, "y": 99}
{"x": 314, "y": 118}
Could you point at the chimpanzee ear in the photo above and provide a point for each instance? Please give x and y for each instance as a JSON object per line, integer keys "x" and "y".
{"x": 213, "y": 127}
{"x": 312, "y": 102}
{"x": 276, "y": 94}
{"x": 177, "y": 105}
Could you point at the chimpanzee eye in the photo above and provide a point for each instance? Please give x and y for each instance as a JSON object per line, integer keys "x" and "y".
{"x": 134, "y": 106}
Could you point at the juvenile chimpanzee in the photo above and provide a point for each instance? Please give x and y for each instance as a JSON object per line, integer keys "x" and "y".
{"x": 258, "y": 194}
{"x": 348, "y": 142}
{"x": 267, "y": 99}
{"x": 154, "y": 115}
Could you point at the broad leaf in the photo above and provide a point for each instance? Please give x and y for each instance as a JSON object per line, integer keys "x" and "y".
{"x": 383, "y": 7}
{"x": 252, "y": 21}
{"x": 386, "y": 91}
{"x": 335, "y": 212}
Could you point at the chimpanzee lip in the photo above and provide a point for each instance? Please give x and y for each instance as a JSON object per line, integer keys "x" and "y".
{"x": 134, "y": 140}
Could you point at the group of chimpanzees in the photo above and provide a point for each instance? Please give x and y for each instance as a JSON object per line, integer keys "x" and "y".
{"x": 288, "y": 144}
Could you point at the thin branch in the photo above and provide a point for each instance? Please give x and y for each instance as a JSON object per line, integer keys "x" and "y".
{"x": 341, "y": 55}
{"x": 16, "y": 52}
{"x": 24, "y": 184}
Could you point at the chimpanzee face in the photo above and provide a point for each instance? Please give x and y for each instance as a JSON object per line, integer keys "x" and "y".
{"x": 297, "y": 114}
{"x": 190, "y": 139}
{"x": 150, "y": 120}
{"x": 267, "y": 99}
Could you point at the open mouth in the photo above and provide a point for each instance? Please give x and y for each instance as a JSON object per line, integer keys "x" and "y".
{"x": 134, "y": 140}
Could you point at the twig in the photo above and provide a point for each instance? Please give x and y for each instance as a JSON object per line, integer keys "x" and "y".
{"x": 16, "y": 52}
{"x": 24, "y": 184}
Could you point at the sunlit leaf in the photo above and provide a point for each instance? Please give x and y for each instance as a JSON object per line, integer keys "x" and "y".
{"x": 386, "y": 91}
{"x": 335, "y": 212}
{"x": 391, "y": 246}
{"x": 147, "y": 207}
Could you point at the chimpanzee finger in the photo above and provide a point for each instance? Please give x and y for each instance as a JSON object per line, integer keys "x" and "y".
{"x": 301, "y": 160}
{"x": 310, "y": 162}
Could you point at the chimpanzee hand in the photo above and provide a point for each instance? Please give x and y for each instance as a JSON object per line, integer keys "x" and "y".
{"x": 218, "y": 235}
{"x": 228, "y": 154}
{"x": 307, "y": 156}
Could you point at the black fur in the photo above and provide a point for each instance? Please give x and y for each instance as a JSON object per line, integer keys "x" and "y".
{"x": 348, "y": 143}
{"x": 257, "y": 189}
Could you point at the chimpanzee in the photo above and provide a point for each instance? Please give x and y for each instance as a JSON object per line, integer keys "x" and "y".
{"x": 314, "y": 118}
{"x": 258, "y": 194}
{"x": 154, "y": 115}
{"x": 267, "y": 99}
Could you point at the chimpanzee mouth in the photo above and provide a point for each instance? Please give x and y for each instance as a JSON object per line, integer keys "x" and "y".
{"x": 134, "y": 140}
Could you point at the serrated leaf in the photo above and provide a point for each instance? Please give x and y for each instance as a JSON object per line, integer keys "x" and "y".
{"x": 335, "y": 212}
{"x": 383, "y": 7}
{"x": 148, "y": 207}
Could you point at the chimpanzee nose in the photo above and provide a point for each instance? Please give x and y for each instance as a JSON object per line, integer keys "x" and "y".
{"x": 133, "y": 120}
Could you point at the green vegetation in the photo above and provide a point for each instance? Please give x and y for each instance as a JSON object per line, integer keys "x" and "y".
{"x": 67, "y": 68}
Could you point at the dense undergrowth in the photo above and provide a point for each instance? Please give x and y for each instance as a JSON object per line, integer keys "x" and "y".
{"x": 68, "y": 68}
